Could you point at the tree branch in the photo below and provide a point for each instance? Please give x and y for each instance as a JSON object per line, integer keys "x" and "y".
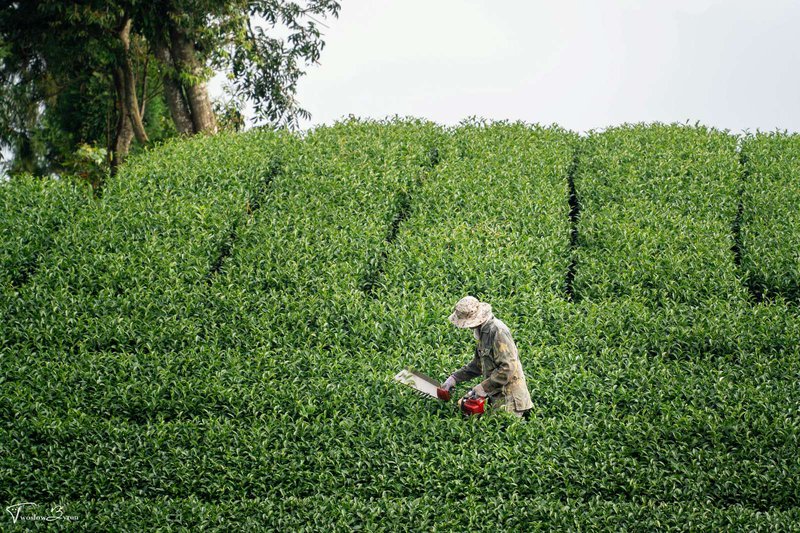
{"x": 144, "y": 84}
{"x": 129, "y": 81}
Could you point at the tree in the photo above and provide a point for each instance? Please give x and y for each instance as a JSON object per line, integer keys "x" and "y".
{"x": 63, "y": 64}
{"x": 241, "y": 37}
{"x": 49, "y": 48}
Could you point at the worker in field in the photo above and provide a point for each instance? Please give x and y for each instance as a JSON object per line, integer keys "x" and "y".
{"x": 496, "y": 360}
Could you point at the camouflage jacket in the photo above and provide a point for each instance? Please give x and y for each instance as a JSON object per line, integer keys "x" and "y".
{"x": 497, "y": 361}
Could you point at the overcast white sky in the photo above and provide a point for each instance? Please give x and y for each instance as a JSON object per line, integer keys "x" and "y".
{"x": 579, "y": 63}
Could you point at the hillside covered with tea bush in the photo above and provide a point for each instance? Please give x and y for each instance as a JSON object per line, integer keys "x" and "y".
{"x": 211, "y": 343}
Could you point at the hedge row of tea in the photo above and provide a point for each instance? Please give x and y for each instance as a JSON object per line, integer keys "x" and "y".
{"x": 31, "y": 212}
{"x": 656, "y": 243}
{"x": 301, "y": 269}
{"x": 241, "y": 371}
{"x": 117, "y": 278}
{"x": 770, "y": 220}
{"x": 492, "y": 222}
{"x": 657, "y": 207}
{"x": 664, "y": 346}
{"x": 242, "y": 310}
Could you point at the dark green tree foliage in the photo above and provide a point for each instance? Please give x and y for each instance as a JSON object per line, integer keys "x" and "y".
{"x": 61, "y": 86}
{"x": 263, "y": 45}
{"x": 265, "y": 396}
{"x": 34, "y": 64}
{"x": 770, "y": 223}
{"x": 265, "y": 68}
{"x": 102, "y": 73}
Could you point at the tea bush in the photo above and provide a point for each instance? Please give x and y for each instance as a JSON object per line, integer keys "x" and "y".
{"x": 31, "y": 212}
{"x": 271, "y": 320}
{"x": 313, "y": 250}
{"x": 492, "y": 221}
{"x": 118, "y": 277}
{"x": 657, "y": 206}
{"x": 770, "y": 221}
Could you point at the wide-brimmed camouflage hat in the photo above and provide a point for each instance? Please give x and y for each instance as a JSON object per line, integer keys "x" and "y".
{"x": 470, "y": 312}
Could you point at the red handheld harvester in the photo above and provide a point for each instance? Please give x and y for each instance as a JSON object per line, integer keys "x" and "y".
{"x": 430, "y": 388}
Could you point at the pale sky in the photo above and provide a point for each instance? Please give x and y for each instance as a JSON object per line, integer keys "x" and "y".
{"x": 582, "y": 64}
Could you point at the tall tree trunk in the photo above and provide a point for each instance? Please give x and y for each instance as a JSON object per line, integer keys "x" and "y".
{"x": 129, "y": 82}
{"x": 178, "y": 108}
{"x": 143, "y": 107}
{"x": 120, "y": 143}
{"x": 196, "y": 93}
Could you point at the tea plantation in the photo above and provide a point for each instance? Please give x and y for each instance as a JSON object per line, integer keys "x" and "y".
{"x": 211, "y": 344}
